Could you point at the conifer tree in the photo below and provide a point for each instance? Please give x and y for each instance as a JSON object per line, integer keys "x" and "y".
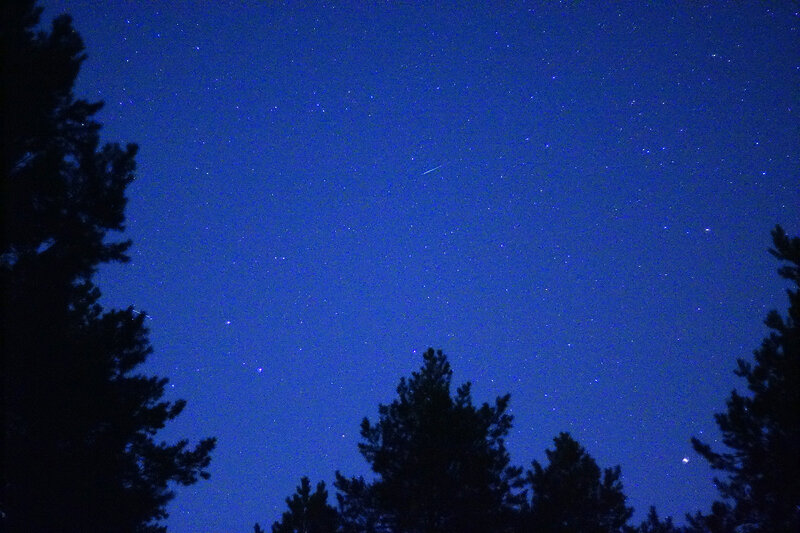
{"x": 441, "y": 462}
{"x": 308, "y": 512}
{"x": 571, "y": 494}
{"x": 78, "y": 446}
{"x": 761, "y": 429}
{"x": 654, "y": 524}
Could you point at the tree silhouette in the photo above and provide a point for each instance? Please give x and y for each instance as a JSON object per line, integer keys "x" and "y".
{"x": 570, "y": 495}
{"x": 78, "y": 443}
{"x": 441, "y": 462}
{"x": 762, "y": 429}
{"x": 308, "y": 512}
{"x": 359, "y": 509}
{"x": 653, "y": 524}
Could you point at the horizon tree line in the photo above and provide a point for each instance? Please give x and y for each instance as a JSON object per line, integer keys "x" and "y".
{"x": 441, "y": 465}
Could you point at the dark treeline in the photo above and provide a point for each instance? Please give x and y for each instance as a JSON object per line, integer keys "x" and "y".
{"x": 440, "y": 462}
{"x": 441, "y": 465}
{"x": 79, "y": 422}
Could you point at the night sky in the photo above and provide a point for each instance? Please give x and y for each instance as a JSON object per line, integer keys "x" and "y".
{"x": 572, "y": 200}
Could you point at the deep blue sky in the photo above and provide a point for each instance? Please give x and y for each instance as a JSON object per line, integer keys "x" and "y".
{"x": 592, "y": 239}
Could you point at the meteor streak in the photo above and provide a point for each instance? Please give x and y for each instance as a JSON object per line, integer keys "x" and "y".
{"x": 431, "y": 170}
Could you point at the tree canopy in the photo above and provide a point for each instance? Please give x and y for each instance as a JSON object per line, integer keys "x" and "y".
{"x": 761, "y": 429}
{"x": 441, "y": 462}
{"x": 308, "y": 512}
{"x": 654, "y": 524}
{"x": 79, "y": 448}
{"x": 571, "y": 494}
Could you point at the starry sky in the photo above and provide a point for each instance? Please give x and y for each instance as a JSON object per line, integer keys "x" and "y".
{"x": 572, "y": 200}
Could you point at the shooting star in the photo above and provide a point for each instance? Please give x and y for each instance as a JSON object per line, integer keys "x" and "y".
{"x": 431, "y": 170}
{"x": 142, "y": 313}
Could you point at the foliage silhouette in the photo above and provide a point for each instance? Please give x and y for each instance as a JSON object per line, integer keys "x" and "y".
{"x": 441, "y": 462}
{"x": 570, "y": 495}
{"x": 762, "y": 429}
{"x": 653, "y": 524}
{"x": 78, "y": 443}
{"x": 308, "y": 512}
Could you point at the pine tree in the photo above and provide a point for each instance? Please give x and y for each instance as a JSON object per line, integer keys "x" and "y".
{"x": 78, "y": 443}
{"x": 570, "y": 494}
{"x": 653, "y": 524}
{"x": 440, "y": 461}
{"x": 761, "y": 491}
{"x": 308, "y": 512}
